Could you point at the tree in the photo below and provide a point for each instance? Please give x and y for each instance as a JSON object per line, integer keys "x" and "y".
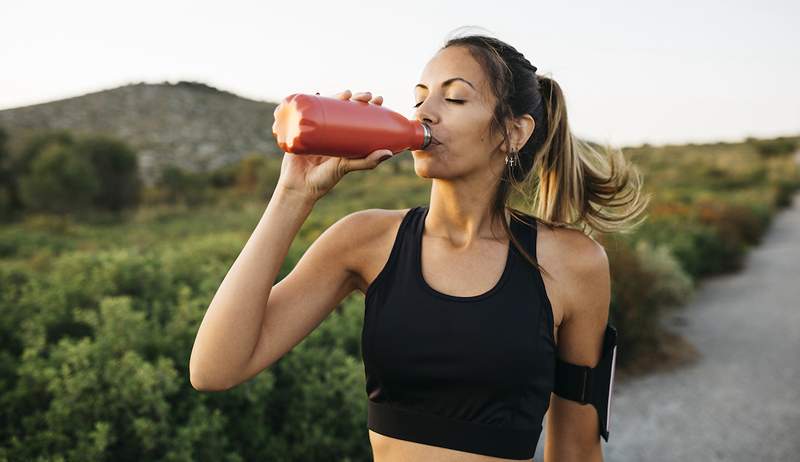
{"x": 15, "y": 165}
{"x": 35, "y": 144}
{"x": 116, "y": 168}
{"x": 59, "y": 181}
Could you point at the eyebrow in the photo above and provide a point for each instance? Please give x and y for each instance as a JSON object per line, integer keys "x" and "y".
{"x": 448, "y": 82}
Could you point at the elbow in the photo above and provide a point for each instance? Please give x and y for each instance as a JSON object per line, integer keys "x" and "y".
{"x": 198, "y": 381}
{"x": 202, "y": 381}
{"x": 201, "y": 384}
{"x": 575, "y": 452}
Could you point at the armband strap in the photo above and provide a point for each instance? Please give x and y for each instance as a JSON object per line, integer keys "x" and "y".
{"x": 591, "y": 385}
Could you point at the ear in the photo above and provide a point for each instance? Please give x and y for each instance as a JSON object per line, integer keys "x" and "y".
{"x": 521, "y": 130}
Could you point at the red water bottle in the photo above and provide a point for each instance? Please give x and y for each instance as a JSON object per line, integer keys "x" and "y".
{"x": 312, "y": 124}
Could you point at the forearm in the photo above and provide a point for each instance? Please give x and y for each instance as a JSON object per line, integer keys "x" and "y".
{"x": 231, "y": 326}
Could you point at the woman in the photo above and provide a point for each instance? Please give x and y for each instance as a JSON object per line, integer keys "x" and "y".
{"x": 468, "y": 302}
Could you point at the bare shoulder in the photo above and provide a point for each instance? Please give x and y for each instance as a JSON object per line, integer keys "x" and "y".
{"x": 579, "y": 251}
{"x": 579, "y": 268}
{"x": 372, "y": 231}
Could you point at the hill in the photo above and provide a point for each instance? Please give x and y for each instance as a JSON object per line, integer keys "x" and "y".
{"x": 189, "y": 124}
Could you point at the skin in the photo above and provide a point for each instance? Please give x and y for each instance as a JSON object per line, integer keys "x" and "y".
{"x": 457, "y": 234}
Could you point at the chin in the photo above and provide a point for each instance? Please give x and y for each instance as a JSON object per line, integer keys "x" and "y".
{"x": 422, "y": 167}
{"x": 429, "y": 168}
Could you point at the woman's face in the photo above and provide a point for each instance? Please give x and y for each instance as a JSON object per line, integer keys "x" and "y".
{"x": 459, "y": 113}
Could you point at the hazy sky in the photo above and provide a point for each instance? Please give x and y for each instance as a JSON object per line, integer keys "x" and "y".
{"x": 632, "y": 72}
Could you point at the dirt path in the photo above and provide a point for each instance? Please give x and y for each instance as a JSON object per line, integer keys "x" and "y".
{"x": 741, "y": 400}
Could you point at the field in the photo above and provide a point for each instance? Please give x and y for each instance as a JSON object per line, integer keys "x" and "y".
{"x": 100, "y": 310}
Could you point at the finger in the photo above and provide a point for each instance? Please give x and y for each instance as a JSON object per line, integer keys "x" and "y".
{"x": 369, "y": 162}
{"x": 377, "y": 100}
{"x": 344, "y": 95}
{"x": 364, "y": 96}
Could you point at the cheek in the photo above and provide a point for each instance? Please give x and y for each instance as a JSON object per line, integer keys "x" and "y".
{"x": 463, "y": 136}
{"x": 465, "y": 132}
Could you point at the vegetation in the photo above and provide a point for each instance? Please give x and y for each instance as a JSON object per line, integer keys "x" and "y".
{"x": 101, "y": 294}
{"x": 58, "y": 173}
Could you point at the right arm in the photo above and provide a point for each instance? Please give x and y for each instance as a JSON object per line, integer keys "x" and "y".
{"x": 232, "y": 323}
{"x": 250, "y": 322}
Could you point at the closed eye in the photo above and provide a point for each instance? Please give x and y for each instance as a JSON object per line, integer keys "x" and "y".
{"x": 457, "y": 101}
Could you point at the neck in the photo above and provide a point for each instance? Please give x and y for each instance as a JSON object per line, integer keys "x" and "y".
{"x": 462, "y": 215}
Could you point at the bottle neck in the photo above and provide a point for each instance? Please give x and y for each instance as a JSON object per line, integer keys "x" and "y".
{"x": 427, "y": 139}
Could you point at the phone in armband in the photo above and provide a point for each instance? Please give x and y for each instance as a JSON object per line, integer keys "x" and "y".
{"x": 591, "y": 385}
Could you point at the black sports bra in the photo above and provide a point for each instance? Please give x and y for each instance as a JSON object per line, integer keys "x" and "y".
{"x": 468, "y": 373}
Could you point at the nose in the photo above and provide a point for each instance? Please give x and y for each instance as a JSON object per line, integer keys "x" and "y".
{"x": 421, "y": 113}
{"x": 430, "y": 123}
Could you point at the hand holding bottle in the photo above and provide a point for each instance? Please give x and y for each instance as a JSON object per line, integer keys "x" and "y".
{"x": 314, "y": 174}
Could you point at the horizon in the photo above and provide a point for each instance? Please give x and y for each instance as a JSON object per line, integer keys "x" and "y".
{"x": 634, "y": 145}
{"x": 724, "y": 81}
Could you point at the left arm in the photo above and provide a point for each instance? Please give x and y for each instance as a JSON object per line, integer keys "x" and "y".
{"x": 572, "y": 428}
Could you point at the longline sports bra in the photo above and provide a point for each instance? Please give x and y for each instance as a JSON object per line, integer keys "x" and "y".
{"x": 469, "y": 373}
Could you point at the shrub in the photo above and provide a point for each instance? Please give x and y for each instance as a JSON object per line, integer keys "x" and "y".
{"x": 60, "y": 181}
{"x": 95, "y": 360}
{"x": 742, "y": 224}
{"x": 116, "y": 168}
{"x": 184, "y": 187}
{"x": 673, "y": 286}
{"x": 632, "y": 315}
{"x": 774, "y": 147}
{"x": 785, "y": 190}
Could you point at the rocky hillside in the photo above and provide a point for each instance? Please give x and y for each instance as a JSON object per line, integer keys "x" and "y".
{"x": 189, "y": 124}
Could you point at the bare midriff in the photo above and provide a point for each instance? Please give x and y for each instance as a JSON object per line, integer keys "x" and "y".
{"x": 388, "y": 449}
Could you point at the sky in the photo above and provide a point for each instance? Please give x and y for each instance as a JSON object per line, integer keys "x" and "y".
{"x": 632, "y": 72}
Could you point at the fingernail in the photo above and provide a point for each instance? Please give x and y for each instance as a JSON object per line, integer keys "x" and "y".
{"x": 387, "y": 156}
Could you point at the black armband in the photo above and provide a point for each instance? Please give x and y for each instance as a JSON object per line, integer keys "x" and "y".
{"x": 591, "y": 385}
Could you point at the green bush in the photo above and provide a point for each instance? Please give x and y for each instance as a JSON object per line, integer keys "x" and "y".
{"x": 774, "y": 147}
{"x": 60, "y": 181}
{"x": 645, "y": 280}
{"x": 785, "y": 189}
{"x": 94, "y": 365}
{"x": 709, "y": 236}
{"x": 17, "y": 164}
{"x": 224, "y": 177}
{"x": 702, "y": 251}
{"x": 116, "y": 168}
{"x": 34, "y": 144}
{"x": 16, "y": 244}
{"x": 55, "y": 172}
{"x": 673, "y": 286}
{"x": 185, "y": 187}
{"x": 635, "y": 320}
